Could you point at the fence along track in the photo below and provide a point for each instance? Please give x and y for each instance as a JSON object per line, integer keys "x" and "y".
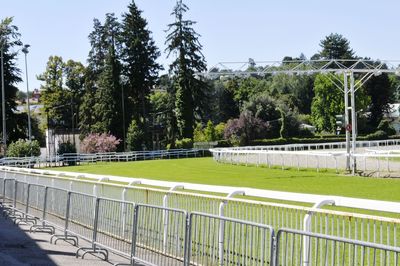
{"x": 327, "y": 250}
{"x": 165, "y": 236}
{"x": 342, "y": 224}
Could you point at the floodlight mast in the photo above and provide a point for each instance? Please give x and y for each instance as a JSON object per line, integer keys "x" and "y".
{"x": 348, "y": 67}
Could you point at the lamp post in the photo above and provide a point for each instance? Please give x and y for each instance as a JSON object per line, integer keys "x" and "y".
{"x": 3, "y": 101}
{"x": 25, "y": 51}
{"x": 123, "y": 80}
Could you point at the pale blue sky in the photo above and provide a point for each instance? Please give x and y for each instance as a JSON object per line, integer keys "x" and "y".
{"x": 231, "y": 30}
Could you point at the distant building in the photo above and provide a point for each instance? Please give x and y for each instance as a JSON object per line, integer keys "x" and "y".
{"x": 35, "y": 95}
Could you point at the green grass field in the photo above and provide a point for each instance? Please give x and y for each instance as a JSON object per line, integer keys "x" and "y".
{"x": 206, "y": 171}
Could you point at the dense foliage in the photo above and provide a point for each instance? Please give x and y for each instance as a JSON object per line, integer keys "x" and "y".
{"x": 120, "y": 92}
{"x": 23, "y": 148}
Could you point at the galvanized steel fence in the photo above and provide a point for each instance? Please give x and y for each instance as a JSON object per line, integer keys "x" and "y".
{"x": 295, "y": 247}
{"x": 377, "y": 229}
{"x": 167, "y": 235}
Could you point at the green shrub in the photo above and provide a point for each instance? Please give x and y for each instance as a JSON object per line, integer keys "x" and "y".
{"x": 378, "y": 135}
{"x": 184, "y": 144}
{"x": 198, "y": 134}
{"x": 219, "y": 131}
{"x": 23, "y": 148}
{"x": 209, "y": 131}
{"x": 385, "y": 126}
{"x": 66, "y": 147}
{"x": 134, "y": 137}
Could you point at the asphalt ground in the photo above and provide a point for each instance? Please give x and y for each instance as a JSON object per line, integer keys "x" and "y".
{"x": 20, "y": 247}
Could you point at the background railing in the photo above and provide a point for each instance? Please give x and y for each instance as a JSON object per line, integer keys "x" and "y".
{"x": 82, "y": 158}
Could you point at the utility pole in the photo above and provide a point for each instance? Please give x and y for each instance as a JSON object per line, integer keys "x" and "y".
{"x": 123, "y": 81}
{"x": 25, "y": 51}
{"x": 3, "y": 101}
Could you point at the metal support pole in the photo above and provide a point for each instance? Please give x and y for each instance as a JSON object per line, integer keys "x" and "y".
{"x": 25, "y": 51}
{"x": 123, "y": 116}
{"x": 346, "y": 120}
{"x": 3, "y": 101}
{"x": 354, "y": 122}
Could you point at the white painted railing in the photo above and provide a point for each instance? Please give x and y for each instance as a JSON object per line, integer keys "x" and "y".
{"x": 372, "y": 228}
{"x": 320, "y": 146}
{"x": 370, "y": 161}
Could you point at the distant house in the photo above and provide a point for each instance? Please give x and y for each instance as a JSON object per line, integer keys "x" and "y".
{"x": 394, "y": 116}
{"x": 35, "y": 95}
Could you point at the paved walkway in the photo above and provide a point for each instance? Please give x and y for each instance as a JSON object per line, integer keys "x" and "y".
{"x": 20, "y": 247}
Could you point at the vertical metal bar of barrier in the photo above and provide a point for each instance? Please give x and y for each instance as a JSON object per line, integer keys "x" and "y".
{"x": 307, "y": 228}
{"x": 134, "y": 233}
{"x": 165, "y": 214}
{"x": 123, "y": 198}
{"x": 222, "y": 225}
{"x": 67, "y": 212}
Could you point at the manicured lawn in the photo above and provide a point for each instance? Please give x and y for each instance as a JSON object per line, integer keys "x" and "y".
{"x": 206, "y": 171}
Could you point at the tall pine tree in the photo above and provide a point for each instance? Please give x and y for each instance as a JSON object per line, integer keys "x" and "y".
{"x": 183, "y": 42}
{"x": 139, "y": 55}
{"x": 104, "y": 69}
{"x": 10, "y": 39}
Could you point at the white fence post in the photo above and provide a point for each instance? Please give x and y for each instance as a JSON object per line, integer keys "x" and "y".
{"x": 123, "y": 198}
{"x": 95, "y": 189}
{"x": 222, "y": 225}
{"x": 307, "y": 228}
{"x": 165, "y": 216}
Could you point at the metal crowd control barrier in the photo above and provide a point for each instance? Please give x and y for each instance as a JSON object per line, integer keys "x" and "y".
{"x": 165, "y": 236}
{"x": 382, "y": 230}
{"x": 328, "y": 250}
{"x": 240, "y": 243}
{"x": 159, "y": 235}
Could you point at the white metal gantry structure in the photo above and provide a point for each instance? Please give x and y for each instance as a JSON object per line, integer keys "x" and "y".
{"x": 362, "y": 69}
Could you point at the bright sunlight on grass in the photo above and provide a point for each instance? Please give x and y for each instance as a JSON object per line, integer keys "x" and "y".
{"x": 206, "y": 171}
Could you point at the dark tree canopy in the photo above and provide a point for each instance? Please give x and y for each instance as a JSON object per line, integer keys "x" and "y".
{"x": 335, "y": 46}
{"x": 139, "y": 59}
{"x": 9, "y": 41}
{"x": 183, "y": 42}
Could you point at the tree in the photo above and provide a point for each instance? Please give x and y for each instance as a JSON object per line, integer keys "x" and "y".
{"x": 329, "y": 101}
{"x": 228, "y": 107}
{"x": 381, "y": 93}
{"x": 162, "y": 101}
{"x": 9, "y": 41}
{"x": 74, "y": 80}
{"x": 134, "y": 137}
{"x": 101, "y": 106}
{"x": 55, "y": 97}
{"x": 139, "y": 55}
{"x": 335, "y": 46}
{"x": 183, "y": 41}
